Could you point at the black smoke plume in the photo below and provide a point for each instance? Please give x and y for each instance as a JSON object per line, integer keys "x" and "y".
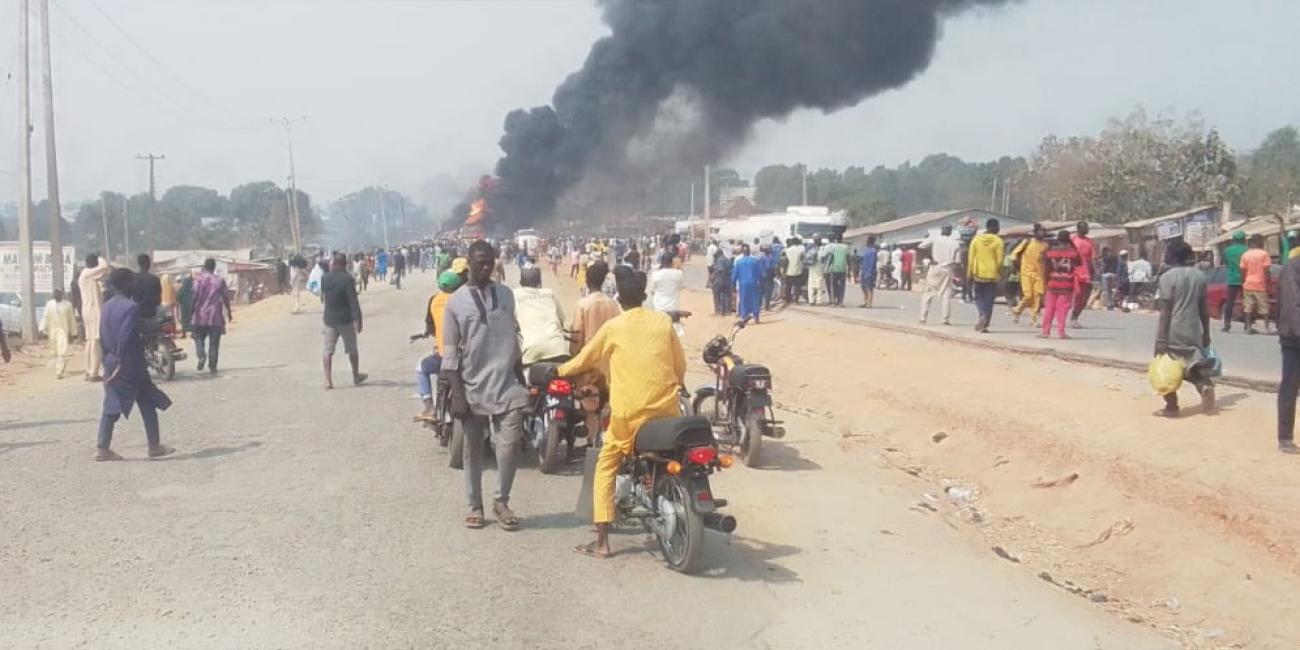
{"x": 681, "y": 83}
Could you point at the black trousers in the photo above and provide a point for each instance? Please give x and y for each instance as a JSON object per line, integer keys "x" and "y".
{"x": 211, "y": 336}
{"x": 1287, "y": 390}
{"x": 1234, "y": 292}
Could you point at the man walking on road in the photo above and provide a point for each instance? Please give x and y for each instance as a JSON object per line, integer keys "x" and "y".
{"x": 1058, "y": 262}
{"x": 1288, "y": 329}
{"x": 748, "y": 278}
{"x": 1232, "y": 266}
{"x": 794, "y": 272}
{"x": 342, "y": 316}
{"x": 128, "y": 383}
{"x": 906, "y": 264}
{"x": 867, "y": 272}
{"x": 1255, "y": 265}
{"x": 58, "y": 324}
{"x": 1184, "y": 328}
{"x": 483, "y": 364}
{"x": 837, "y": 267}
{"x": 945, "y": 256}
{"x": 1083, "y": 290}
{"x": 647, "y": 367}
{"x": 92, "y": 296}
{"x": 984, "y": 268}
{"x": 210, "y": 297}
{"x": 1029, "y": 254}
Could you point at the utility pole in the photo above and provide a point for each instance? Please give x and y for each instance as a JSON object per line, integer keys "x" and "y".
{"x": 804, "y": 169}
{"x": 51, "y": 157}
{"x": 993, "y": 200}
{"x": 126, "y": 229}
{"x": 692, "y": 215}
{"x": 103, "y": 216}
{"x": 153, "y": 200}
{"x": 383, "y": 215}
{"x": 708, "y": 204}
{"x": 295, "y": 223}
{"x": 26, "y": 281}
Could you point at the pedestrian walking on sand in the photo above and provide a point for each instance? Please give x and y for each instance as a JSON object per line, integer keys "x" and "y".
{"x": 92, "y": 297}
{"x": 945, "y": 259}
{"x": 211, "y": 307}
{"x": 1029, "y": 255}
{"x": 59, "y": 325}
{"x": 1059, "y": 262}
{"x": 483, "y": 364}
{"x": 867, "y": 272}
{"x": 342, "y": 317}
{"x": 1288, "y": 330}
{"x": 1083, "y": 289}
{"x": 1184, "y": 328}
{"x": 127, "y": 383}
{"x": 984, "y": 269}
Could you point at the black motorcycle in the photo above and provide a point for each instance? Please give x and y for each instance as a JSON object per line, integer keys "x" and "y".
{"x": 664, "y": 485}
{"x": 553, "y": 417}
{"x": 739, "y": 404}
{"x": 160, "y": 349}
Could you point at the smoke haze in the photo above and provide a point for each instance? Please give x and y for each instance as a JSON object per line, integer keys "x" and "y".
{"x": 682, "y": 82}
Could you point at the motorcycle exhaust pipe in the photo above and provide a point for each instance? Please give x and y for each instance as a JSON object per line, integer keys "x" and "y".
{"x": 719, "y": 522}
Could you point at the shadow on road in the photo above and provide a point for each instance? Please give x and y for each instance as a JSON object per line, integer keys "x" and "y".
{"x": 14, "y": 425}
{"x": 6, "y": 447}
{"x": 213, "y": 452}
{"x": 778, "y": 456}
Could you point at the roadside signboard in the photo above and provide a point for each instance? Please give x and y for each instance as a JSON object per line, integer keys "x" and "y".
{"x": 1169, "y": 229}
{"x": 42, "y": 266}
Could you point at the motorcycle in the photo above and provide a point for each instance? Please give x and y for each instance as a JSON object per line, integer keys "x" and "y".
{"x": 664, "y": 485}
{"x": 739, "y": 404}
{"x": 160, "y": 350}
{"x": 553, "y": 416}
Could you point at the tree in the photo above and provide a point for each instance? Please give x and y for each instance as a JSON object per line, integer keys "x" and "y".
{"x": 777, "y": 186}
{"x": 1273, "y": 173}
{"x": 260, "y": 215}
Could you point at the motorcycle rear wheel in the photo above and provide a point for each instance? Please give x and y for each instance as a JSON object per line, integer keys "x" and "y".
{"x": 752, "y": 445}
{"x": 683, "y": 546}
{"x": 166, "y": 351}
{"x": 549, "y": 456}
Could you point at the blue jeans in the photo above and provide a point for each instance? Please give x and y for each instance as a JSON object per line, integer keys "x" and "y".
{"x": 985, "y": 294}
{"x": 428, "y": 368}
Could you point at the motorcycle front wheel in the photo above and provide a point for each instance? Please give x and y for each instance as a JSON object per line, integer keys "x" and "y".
{"x": 680, "y": 528}
{"x": 456, "y": 449}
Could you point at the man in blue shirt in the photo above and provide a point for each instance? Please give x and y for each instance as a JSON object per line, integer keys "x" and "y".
{"x": 747, "y": 274}
{"x": 867, "y": 271}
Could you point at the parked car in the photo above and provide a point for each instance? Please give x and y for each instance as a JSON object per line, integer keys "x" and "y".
{"x": 11, "y": 310}
{"x": 1216, "y": 292}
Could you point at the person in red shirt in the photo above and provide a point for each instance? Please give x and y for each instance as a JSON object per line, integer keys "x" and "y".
{"x": 1083, "y": 271}
{"x": 1060, "y": 262}
{"x": 909, "y": 259}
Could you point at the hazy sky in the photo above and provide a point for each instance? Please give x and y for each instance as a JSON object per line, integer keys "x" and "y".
{"x": 411, "y": 94}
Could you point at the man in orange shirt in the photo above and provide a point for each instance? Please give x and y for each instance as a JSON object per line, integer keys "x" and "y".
{"x": 1255, "y": 265}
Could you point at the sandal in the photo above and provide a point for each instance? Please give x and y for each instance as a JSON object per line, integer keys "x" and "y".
{"x": 474, "y": 521}
{"x": 589, "y": 550}
{"x": 505, "y": 517}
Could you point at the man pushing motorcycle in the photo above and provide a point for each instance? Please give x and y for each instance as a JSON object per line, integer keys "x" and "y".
{"x": 646, "y": 370}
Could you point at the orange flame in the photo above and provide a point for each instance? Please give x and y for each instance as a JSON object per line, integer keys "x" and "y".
{"x": 477, "y": 211}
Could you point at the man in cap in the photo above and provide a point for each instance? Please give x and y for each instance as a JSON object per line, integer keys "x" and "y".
{"x": 431, "y": 365}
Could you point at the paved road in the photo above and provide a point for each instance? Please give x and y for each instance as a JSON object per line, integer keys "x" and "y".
{"x": 297, "y": 518}
{"x": 1113, "y": 335}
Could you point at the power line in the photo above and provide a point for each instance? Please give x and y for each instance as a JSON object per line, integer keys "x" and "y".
{"x": 176, "y": 77}
{"x": 144, "y": 82}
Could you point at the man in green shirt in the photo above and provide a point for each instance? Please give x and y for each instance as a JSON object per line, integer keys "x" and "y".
{"x": 1232, "y": 261}
{"x": 838, "y": 268}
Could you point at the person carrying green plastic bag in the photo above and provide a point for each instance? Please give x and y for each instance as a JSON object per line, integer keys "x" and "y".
{"x": 1183, "y": 335}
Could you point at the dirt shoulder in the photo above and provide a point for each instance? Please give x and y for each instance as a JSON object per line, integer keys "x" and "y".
{"x": 1186, "y": 526}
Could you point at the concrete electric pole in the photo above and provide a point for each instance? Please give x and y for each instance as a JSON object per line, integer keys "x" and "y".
{"x": 51, "y": 157}
{"x": 25, "y": 279}
{"x": 295, "y": 221}
{"x": 153, "y": 201}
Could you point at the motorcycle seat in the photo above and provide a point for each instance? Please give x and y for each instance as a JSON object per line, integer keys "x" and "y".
{"x": 541, "y": 373}
{"x": 667, "y": 434}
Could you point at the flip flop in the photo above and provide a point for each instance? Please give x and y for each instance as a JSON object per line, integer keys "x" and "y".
{"x": 474, "y": 521}
{"x": 589, "y": 550}
{"x": 507, "y": 520}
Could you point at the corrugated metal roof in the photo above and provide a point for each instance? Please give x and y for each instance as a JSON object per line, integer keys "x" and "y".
{"x": 919, "y": 219}
{"x": 1143, "y": 223}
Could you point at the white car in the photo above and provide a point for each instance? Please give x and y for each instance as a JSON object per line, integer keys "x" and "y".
{"x": 11, "y": 310}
